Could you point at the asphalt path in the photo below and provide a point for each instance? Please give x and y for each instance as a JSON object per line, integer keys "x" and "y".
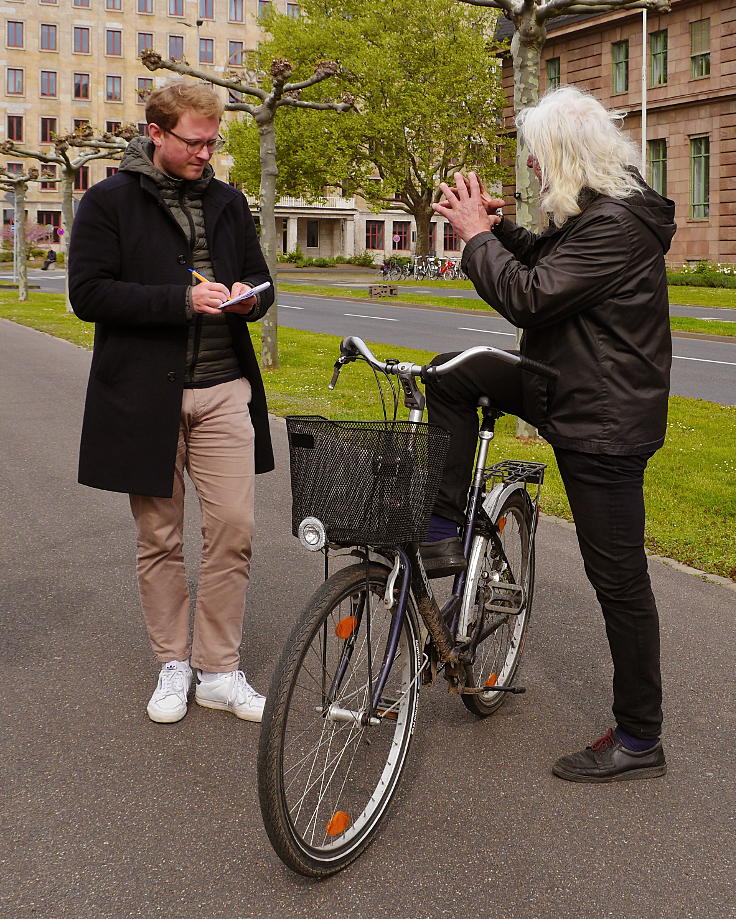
{"x": 106, "y": 814}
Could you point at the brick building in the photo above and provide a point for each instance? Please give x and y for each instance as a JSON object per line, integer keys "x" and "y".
{"x": 690, "y": 105}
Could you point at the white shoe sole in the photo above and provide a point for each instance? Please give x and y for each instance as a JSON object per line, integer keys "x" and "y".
{"x": 255, "y": 717}
{"x": 165, "y": 717}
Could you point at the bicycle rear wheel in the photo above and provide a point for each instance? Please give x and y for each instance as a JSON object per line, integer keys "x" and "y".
{"x": 498, "y": 613}
{"x": 325, "y": 779}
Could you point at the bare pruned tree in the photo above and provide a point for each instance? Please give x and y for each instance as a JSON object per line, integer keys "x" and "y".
{"x": 71, "y": 152}
{"x": 530, "y": 18}
{"x": 18, "y": 185}
{"x": 263, "y": 110}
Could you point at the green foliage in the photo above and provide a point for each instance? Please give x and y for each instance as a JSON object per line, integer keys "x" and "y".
{"x": 427, "y": 91}
{"x": 701, "y": 279}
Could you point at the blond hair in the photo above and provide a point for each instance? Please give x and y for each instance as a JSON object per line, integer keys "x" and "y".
{"x": 167, "y": 104}
{"x": 578, "y": 144}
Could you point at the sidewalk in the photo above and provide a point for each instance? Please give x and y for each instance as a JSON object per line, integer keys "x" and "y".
{"x": 109, "y": 816}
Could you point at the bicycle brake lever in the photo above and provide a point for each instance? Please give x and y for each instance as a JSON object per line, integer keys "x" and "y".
{"x": 335, "y": 374}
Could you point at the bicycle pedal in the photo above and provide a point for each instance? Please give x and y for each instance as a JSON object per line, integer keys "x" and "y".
{"x": 478, "y": 690}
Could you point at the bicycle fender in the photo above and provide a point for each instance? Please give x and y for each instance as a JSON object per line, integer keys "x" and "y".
{"x": 497, "y": 495}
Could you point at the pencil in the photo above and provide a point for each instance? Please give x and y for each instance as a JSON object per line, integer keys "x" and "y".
{"x": 197, "y": 275}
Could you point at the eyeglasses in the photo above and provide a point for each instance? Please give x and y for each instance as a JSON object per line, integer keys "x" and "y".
{"x": 194, "y": 146}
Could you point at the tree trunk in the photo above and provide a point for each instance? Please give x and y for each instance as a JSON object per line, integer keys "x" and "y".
{"x": 526, "y": 48}
{"x": 67, "y": 219}
{"x": 423, "y": 216}
{"x": 19, "y": 241}
{"x": 269, "y": 239}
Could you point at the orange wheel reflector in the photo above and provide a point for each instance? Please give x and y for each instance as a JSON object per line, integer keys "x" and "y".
{"x": 346, "y": 626}
{"x": 338, "y": 823}
{"x": 385, "y": 714}
{"x": 492, "y": 679}
{"x": 500, "y": 524}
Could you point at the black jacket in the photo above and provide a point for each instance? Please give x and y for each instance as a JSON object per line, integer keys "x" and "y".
{"x": 591, "y": 297}
{"x": 128, "y": 274}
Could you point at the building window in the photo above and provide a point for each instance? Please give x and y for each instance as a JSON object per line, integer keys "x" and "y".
{"x": 312, "y": 234}
{"x": 49, "y": 2}
{"x": 48, "y": 129}
{"x": 80, "y": 123}
{"x": 658, "y": 58}
{"x": 145, "y": 6}
{"x": 112, "y": 126}
{"x": 658, "y": 165}
{"x": 553, "y": 73}
{"x": 81, "y": 40}
{"x": 700, "y": 49}
{"x": 113, "y": 89}
{"x": 15, "y": 35}
{"x": 14, "y": 83}
{"x": 113, "y": 4}
{"x": 14, "y": 169}
{"x": 143, "y": 128}
{"x": 699, "y": 177}
{"x": 47, "y": 184}
{"x": 143, "y": 88}
{"x": 15, "y": 127}
{"x": 176, "y": 7}
{"x": 81, "y": 179}
{"x": 292, "y": 10}
{"x": 264, "y": 7}
{"x": 84, "y": 3}
{"x": 374, "y": 234}
{"x": 81, "y": 86}
{"x": 452, "y": 240}
{"x": 145, "y": 40}
{"x": 49, "y": 88}
{"x": 48, "y": 40}
{"x": 235, "y": 53}
{"x": 110, "y": 171}
{"x": 206, "y": 9}
{"x": 206, "y": 51}
{"x": 235, "y": 10}
{"x": 51, "y": 220}
{"x": 400, "y": 235}
{"x": 113, "y": 42}
{"x": 176, "y": 47}
{"x": 620, "y": 66}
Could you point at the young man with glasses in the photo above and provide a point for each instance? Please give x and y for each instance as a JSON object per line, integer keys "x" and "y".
{"x": 175, "y": 385}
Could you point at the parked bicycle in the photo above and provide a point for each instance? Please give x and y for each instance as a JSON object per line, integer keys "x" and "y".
{"x": 342, "y": 706}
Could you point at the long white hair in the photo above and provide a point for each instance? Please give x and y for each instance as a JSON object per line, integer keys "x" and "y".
{"x": 578, "y": 144}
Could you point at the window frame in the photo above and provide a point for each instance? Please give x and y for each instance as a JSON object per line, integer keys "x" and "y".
{"x": 375, "y": 232}
{"x": 41, "y": 93}
{"x": 700, "y": 58}
{"x": 139, "y": 35}
{"x": 450, "y": 239}
{"x": 178, "y": 8}
{"x": 81, "y": 179}
{"x": 553, "y": 83}
{"x": 619, "y": 66}
{"x": 207, "y": 43}
{"x": 658, "y": 58}
{"x": 145, "y": 12}
{"x": 312, "y": 226}
{"x": 657, "y": 165}
{"x": 18, "y": 120}
{"x": 82, "y": 31}
{"x": 52, "y": 29}
{"x": 703, "y": 204}
{"x": 18, "y": 25}
{"x": 236, "y": 10}
{"x": 111, "y": 33}
{"x": 48, "y": 185}
{"x": 108, "y": 78}
{"x": 402, "y": 229}
{"x": 81, "y": 83}
{"x": 206, "y": 9}
{"x": 179, "y": 38}
{"x": 143, "y": 90}
{"x": 18, "y": 75}
{"x": 48, "y": 118}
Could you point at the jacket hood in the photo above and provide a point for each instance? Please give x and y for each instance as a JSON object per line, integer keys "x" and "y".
{"x": 655, "y": 212}
{"x": 139, "y": 159}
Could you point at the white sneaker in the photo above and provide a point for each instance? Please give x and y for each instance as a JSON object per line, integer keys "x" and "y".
{"x": 169, "y": 700}
{"x": 232, "y": 693}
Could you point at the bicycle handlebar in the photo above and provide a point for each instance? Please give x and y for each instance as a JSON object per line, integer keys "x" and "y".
{"x": 353, "y": 348}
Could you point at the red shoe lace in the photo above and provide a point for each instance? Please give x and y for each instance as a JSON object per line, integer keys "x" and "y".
{"x": 603, "y": 743}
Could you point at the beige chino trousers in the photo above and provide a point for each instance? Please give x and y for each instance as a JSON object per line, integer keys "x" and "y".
{"x": 216, "y": 447}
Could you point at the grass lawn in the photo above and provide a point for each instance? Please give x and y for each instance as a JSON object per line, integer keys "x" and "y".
{"x": 691, "y": 497}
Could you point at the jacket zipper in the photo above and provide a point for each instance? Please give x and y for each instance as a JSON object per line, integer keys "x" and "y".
{"x": 198, "y": 320}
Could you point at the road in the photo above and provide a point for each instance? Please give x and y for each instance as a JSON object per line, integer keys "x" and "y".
{"x": 109, "y": 816}
{"x": 702, "y": 369}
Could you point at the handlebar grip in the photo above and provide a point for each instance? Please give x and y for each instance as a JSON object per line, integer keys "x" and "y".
{"x": 526, "y": 363}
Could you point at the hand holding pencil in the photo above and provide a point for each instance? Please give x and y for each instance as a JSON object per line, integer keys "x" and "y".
{"x": 208, "y": 296}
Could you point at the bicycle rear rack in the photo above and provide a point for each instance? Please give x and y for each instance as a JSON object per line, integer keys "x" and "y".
{"x": 517, "y": 471}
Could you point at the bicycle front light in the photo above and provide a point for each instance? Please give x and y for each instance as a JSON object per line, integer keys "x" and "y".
{"x": 312, "y": 534}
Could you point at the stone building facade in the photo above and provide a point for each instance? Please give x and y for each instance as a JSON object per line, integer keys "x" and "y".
{"x": 690, "y": 104}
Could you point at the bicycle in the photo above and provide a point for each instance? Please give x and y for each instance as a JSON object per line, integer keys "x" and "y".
{"x": 343, "y": 701}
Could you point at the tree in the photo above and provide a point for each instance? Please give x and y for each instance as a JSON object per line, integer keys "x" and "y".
{"x": 530, "y": 18}
{"x": 427, "y": 97}
{"x": 273, "y": 92}
{"x": 72, "y": 152}
{"x": 35, "y": 233}
{"x": 18, "y": 185}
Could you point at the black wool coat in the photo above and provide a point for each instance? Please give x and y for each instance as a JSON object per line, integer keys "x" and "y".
{"x": 128, "y": 273}
{"x": 591, "y": 297}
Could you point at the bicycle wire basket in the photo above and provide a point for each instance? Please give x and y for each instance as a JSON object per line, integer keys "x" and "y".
{"x": 370, "y": 482}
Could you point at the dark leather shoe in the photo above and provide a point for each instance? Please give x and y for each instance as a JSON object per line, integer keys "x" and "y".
{"x": 443, "y": 557}
{"x": 608, "y": 760}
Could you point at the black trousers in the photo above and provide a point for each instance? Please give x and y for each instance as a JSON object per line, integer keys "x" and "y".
{"x": 606, "y": 495}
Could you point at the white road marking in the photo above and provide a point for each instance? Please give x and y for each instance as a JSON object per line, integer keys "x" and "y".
{"x": 703, "y": 360}
{"x": 713, "y": 319}
{"x": 488, "y": 331}
{"x": 285, "y": 306}
{"x": 361, "y": 316}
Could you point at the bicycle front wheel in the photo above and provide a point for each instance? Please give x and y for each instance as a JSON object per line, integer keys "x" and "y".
{"x": 497, "y": 604}
{"x": 325, "y": 777}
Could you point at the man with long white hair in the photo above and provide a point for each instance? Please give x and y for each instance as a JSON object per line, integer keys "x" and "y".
{"x": 590, "y": 293}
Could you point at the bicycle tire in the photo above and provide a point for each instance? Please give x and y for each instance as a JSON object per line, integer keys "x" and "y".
{"x": 319, "y": 822}
{"x": 498, "y": 656}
